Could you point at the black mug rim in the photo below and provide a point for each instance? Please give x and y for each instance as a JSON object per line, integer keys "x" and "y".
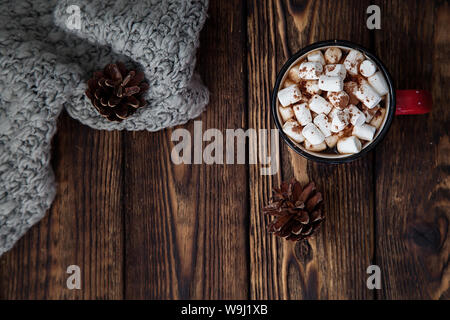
{"x": 390, "y": 115}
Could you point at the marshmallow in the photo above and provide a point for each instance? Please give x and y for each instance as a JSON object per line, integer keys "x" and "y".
{"x": 357, "y": 117}
{"x": 367, "y": 95}
{"x": 333, "y": 55}
{"x": 312, "y": 134}
{"x": 378, "y": 118}
{"x": 349, "y": 145}
{"x": 339, "y": 120}
{"x": 289, "y": 95}
{"x": 302, "y": 114}
{"x": 378, "y": 82}
{"x": 352, "y": 61}
{"x": 315, "y": 147}
{"x": 316, "y": 56}
{"x": 288, "y": 82}
{"x": 322, "y": 122}
{"x": 367, "y": 68}
{"x": 332, "y": 140}
{"x": 335, "y": 70}
{"x": 286, "y": 113}
{"x": 350, "y": 87}
{"x": 293, "y": 130}
{"x": 312, "y": 87}
{"x": 360, "y": 80}
{"x": 369, "y": 113}
{"x": 364, "y": 132}
{"x": 310, "y": 70}
{"x": 319, "y": 105}
{"x": 334, "y": 84}
{"x": 294, "y": 74}
{"x": 338, "y": 99}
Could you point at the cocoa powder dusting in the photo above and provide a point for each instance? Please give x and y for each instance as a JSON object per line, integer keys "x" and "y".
{"x": 347, "y": 132}
{"x": 307, "y": 95}
{"x": 351, "y": 82}
{"x": 296, "y": 129}
{"x": 343, "y": 101}
{"x": 302, "y": 86}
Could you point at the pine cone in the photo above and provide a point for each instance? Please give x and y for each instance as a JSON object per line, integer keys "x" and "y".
{"x": 115, "y": 92}
{"x": 295, "y": 209}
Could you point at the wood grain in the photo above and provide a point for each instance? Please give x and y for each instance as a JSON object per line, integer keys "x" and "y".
{"x": 344, "y": 249}
{"x": 333, "y": 265}
{"x": 186, "y": 225}
{"x": 141, "y": 227}
{"x": 83, "y": 227}
{"x": 261, "y": 61}
{"x": 413, "y": 162}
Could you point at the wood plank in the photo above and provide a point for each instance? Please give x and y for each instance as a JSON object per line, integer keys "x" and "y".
{"x": 333, "y": 264}
{"x": 83, "y": 227}
{"x": 413, "y": 208}
{"x": 186, "y": 225}
{"x": 261, "y": 64}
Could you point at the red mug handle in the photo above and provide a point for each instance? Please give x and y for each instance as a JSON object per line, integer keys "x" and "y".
{"x": 413, "y": 102}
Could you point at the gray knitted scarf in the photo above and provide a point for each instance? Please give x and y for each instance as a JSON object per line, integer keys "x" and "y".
{"x": 45, "y": 63}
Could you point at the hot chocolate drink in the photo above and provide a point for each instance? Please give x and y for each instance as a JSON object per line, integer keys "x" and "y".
{"x": 333, "y": 101}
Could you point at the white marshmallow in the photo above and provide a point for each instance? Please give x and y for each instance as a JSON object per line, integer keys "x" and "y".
{"x": 350, "y": 87}
{"x": 310, "y": 70}
{"x": 361, "y": 80}
{"x": 367, "y": 95}
{"x": 316, "y": 56}
{"x": 338, "y": 99}
{"x": 333, "y": 55}
{"x": 322, "y": 122}
{"x": 352, "y": 61}
{"x": 357, "y": 117}
{"x": 332, "y": 140}
{"x": 319, "y": 105}
{"x": 312, "y": 87}
{"x": 289, "y": 95}
{"x": 349, "y": 145}
{"x": 367, "y": 68}
{"x": 302, "y": 114}
{"x": 339, "y": 120}
{"x": 313, "y": 134}
{"x": 369, "y": 113}
{"x": 286, "y": 113}
{"x": 378, "y": 118}
{"x": 334, "y": 84}
{"x": 287, "y": 83}
{"x": 293, "y": 130}
{"x": 315, "y": 147}
{"x": 335, "y": 70}
{"x": 294, "y": 74}
{"x": 364, "y": 132}
{"x": 378, "y": 82}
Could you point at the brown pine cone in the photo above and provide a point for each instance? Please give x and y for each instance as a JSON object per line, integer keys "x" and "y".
{"x": 115, "y": 92}
{"x": 296, "y": 210}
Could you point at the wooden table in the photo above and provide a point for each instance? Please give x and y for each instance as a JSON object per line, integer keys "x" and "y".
{"x": 141, "y": 227}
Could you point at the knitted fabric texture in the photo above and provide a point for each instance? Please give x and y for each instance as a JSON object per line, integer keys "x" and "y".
{"x": 45, "y": 66}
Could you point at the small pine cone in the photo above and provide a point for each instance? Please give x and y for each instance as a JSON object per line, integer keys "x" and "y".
{"x": 115, "y": 92}
{"x": 296, "y": 210}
